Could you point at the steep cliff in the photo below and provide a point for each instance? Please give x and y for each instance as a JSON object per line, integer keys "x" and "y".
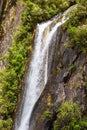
{"x": 67, "y": 80}
{"x": 67, "y": 75}
{"x": 10, "y": 19}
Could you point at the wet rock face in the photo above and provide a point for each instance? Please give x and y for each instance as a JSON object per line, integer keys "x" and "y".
{"x": 9, "y": 26}
{"x": 67, "y": 72}
{"x": 2, "y": 4}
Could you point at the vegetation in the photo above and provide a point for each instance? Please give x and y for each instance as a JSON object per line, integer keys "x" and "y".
{"x": 78, "y": 37}
{"x": 72, "y": 68}
{"x": 47, "y": 114}
{"x": 18, "y": 56}
{"x": 69, "y": 117}
{"x": 77, "y": 26}
{"x": 20, "y": 51}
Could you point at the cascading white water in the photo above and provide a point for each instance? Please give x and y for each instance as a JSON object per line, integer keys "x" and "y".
{"x": 38, "y": 74}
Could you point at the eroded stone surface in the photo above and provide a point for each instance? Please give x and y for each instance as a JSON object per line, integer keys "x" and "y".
{"x": 10, "y": 24}
{"x": 63, "y": 84}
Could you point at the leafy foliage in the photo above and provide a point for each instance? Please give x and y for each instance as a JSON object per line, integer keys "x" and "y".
{"x": 47, "y": 114}
{"x": 69, "y": 117}
{"x": 72, "y": 68}
{"x": 77, "y": 26}
{"x": 78, "y": 37}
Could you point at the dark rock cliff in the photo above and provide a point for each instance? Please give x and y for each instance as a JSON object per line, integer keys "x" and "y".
{"x": 67, "y": 69}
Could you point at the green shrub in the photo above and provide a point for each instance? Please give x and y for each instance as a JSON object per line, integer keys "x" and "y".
{"x": 72, "y": 68}
{"x": 77, "y": 26}
{"x": 47, "y": 114}
{"x": 78, "y": 37}
{"x": 70, "y": 117}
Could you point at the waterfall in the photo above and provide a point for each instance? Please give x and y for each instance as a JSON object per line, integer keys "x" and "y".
{"x": 38, "y": 70}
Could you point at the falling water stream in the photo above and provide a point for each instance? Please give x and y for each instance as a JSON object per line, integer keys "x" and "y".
{"x": 38, "y": 74}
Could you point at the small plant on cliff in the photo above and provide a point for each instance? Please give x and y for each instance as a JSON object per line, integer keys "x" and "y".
{"x": 72, "y": 68}
{"x": 47, "y": 114}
